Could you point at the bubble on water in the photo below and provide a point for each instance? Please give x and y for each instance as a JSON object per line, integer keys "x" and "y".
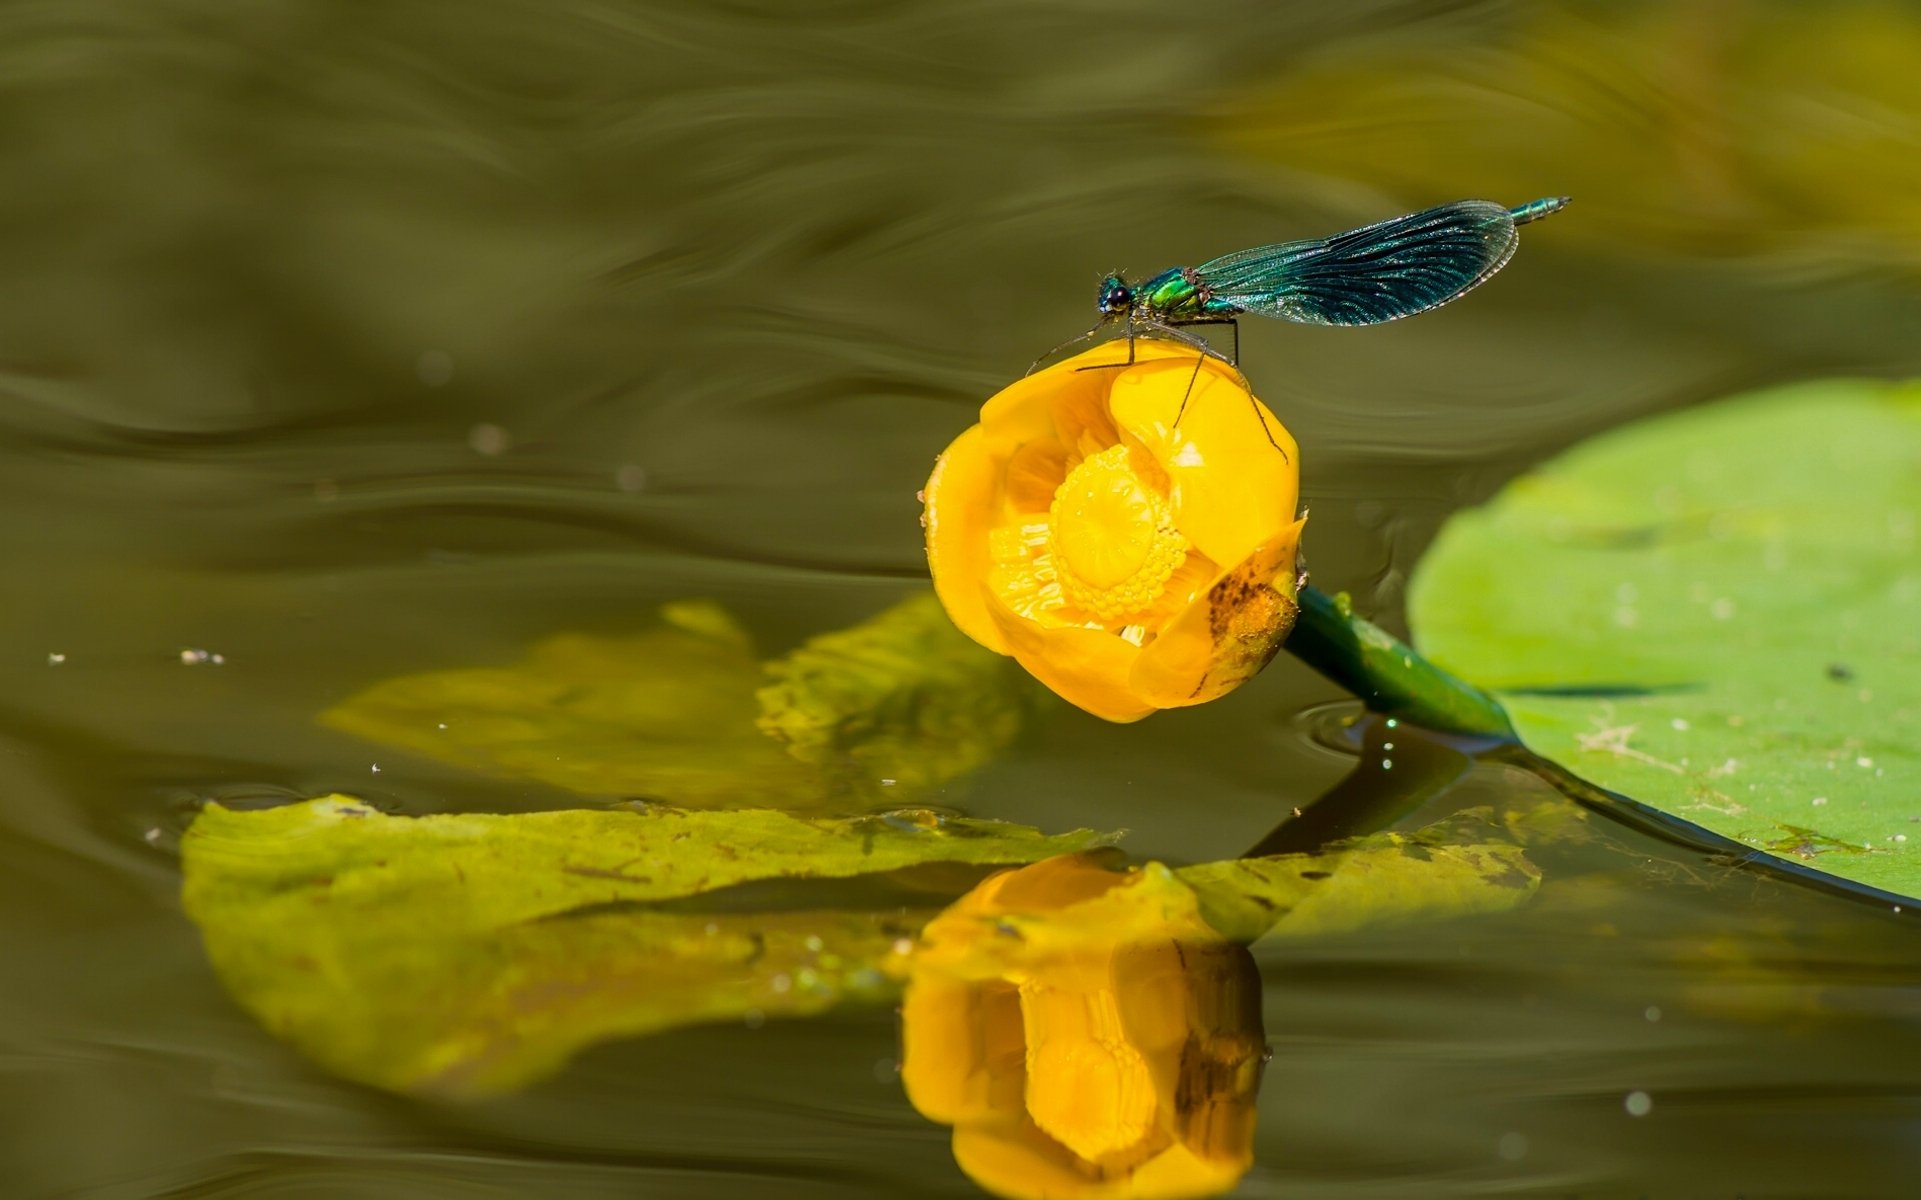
{"x": 54, "y": 659}
{"x": 193, "y": 656}
{"x": 1638, "y": 1104}
{"x": 914, "y": 820}
{"x": 489, "y": 439}
{"x": 435, "y": 368}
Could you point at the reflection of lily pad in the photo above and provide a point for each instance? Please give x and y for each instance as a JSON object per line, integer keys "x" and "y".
{"x": 1717, "y": 612}
{"x": 869, "y": 714}
{"x": 466, "y": 954}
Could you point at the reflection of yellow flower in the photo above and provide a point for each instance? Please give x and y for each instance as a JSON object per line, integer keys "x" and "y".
{"x": 1129, "y": 563}
{"x": 1086, "y": 1034}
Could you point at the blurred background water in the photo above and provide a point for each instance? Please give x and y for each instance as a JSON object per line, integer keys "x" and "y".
{"x": 346, "y": 340}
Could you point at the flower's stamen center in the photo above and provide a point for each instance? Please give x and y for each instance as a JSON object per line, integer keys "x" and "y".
{"x": 1112, "y": 538}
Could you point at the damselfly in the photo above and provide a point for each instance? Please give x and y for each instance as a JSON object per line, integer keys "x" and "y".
{"x": 1380, "y": 272}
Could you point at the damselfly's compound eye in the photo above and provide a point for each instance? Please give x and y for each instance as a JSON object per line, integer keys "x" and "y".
{"x": 1115, "y": 296}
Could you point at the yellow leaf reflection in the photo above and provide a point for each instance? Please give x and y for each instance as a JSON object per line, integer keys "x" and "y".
{"x": 1087, "y": 1034}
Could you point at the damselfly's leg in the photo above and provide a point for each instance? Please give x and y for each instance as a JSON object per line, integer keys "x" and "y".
{"x": 1118, "y": 365}
{"x": 1073, "y": 341}
{"x": 1233, "y": 323}
{"x": 1234, "y": 362}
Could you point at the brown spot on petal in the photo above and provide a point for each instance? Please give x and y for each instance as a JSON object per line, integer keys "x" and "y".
{"x": 1248, "y": 619}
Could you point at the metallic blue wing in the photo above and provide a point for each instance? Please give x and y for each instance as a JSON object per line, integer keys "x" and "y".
{"x": 1366, "y": 276}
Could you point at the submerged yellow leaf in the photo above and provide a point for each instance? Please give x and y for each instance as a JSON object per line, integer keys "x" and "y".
{"x": 685, "y": 712}
{"x": 664, "y": 714}
{"x": 903, "y": 697}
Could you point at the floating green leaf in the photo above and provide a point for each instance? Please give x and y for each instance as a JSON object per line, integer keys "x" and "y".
{"x": 898, "y": 704}
{"x": 1717, "y": 612}
{"x": 464, "y": 954}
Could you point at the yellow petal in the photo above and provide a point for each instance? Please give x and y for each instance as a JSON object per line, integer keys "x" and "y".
{"x": 962, "y": 1051}
{"x": 1227, "y": 634}
{"x": 1231, "y": 488}
{"x": 1015, "y": 1159}
{"x": 1024, "y": 411}
{"x": 1034, "y": 472}
{"x": 960, "y": 508}
{"x": 1046, "y": 886}
{"x": 1019, "y": 1161}
{"x": 1088, "y": 668}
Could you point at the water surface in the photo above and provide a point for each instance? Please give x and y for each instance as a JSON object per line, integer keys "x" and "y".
{"x": 351, "y": 341}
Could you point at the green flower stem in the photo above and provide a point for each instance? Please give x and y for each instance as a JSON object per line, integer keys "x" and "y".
{"x": 1386, "y": 673}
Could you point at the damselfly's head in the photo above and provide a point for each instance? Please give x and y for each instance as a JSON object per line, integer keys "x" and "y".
{"x": 1115, "y": 297}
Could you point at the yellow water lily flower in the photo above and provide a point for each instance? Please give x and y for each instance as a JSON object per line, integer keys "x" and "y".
{"x": 1128, "y": 533}
{"x": 1086, "y": 1034}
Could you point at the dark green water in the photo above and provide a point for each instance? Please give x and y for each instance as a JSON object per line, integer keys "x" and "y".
{"x": 351, "y": 340}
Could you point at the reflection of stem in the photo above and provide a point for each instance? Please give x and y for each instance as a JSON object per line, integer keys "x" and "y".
{"x": 1386, "y": 673}
{"x": 1400, "y": 770}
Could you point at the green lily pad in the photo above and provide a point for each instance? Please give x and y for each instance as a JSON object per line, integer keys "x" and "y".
{"x": 1717, "y": 613}
{"x": 466, "y": 954}
{"x": 684, "y": 712}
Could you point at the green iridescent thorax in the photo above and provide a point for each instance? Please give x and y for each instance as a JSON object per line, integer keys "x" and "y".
{"x": 1172, "y": 295}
